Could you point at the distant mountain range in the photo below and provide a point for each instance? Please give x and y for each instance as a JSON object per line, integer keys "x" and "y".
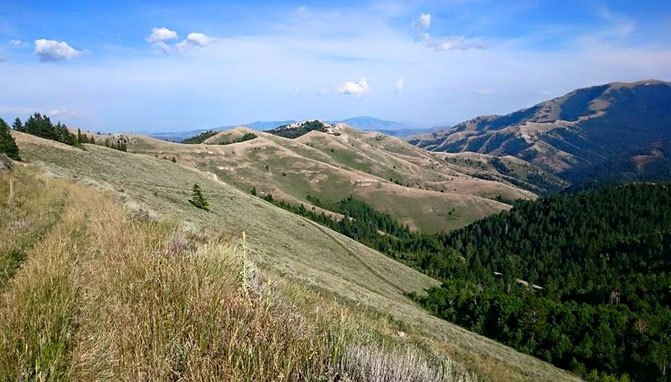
{"x": 615, "y": 131}
{"x": 392, "y": 128}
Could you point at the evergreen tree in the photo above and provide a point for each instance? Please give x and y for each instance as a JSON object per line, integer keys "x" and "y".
{"x": 18, "y": 126}
{"x": 7, "y": 143}
{"x": 254, "y": 191}
{"x": 173, "y": 160}
{"x": 197, "y": 198}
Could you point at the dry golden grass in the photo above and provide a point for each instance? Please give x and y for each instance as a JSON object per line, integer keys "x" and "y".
{"x": 24, "y": 216}
{"x": 345, "y": 162}
{"x": 105, "y": 297}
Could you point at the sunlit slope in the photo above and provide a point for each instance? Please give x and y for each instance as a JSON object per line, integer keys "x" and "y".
{"x": 284, "y": 244}
{"x": 418, "y": 188}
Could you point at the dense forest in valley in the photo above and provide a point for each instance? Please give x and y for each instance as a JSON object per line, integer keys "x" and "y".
{"x": 580, "y": 280}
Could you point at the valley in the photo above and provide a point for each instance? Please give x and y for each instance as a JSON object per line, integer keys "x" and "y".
{"x": 337, "y": 268}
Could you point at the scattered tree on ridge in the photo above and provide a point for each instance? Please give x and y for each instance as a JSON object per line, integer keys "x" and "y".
{"x": 197, "y": 198}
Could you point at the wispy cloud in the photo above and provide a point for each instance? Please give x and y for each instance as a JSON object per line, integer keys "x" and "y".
{"x": 227, "y": 63}
{"x": 52, "y": 50}
{"x": 399, "y": 85}
{"x": 62, "y": 112}
{"x": 441, "y": 43}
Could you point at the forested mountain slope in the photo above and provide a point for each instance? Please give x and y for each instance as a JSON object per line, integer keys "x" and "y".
{"x": 580, "y": 280}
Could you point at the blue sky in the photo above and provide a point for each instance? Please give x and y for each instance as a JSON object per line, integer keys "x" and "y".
{"x": 169, "y": 66}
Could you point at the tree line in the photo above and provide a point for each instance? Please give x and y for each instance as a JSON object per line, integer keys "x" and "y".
{"x": 41, "y": 126}
{"x": 579, "y": 280}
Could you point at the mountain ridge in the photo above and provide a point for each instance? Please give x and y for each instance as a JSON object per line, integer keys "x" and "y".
{"x": 585, "y": 127}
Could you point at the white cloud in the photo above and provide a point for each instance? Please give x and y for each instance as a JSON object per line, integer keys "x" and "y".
{"x": 160, "y": 38}
{"x": 421, "y": 26}
{"x": 355, "y": 88}
{"x": 453, "y": 43}
{"x": 51, "y": 50}
{"x": 424, "y": 20}
{"x": 198, "y": 39}
{"x": 16, "y": 43}
{"x": 398, "y": 86}
{"x": 62, "y": 112}
{"x": 194, "y": 40}
{"x": 443, "y": 43}
{"x": 161, "y": 35}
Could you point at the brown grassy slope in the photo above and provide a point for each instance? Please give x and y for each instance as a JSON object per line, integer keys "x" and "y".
{"x": 345, "y": 162}
{"x": 102, "y": 296}
{"x": 285, "y": 244}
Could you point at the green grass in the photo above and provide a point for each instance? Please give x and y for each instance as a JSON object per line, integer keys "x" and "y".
{"x": 289, "y": 249}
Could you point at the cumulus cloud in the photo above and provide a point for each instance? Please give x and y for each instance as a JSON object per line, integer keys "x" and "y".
{"x": 194, "y": 40}
{"x": 198, "y": 39}
{"x": 398, "y": 86}
{"x": 51, "y": 50}
{"x": 161, "y": 37}
{"x": 354, "y": 88}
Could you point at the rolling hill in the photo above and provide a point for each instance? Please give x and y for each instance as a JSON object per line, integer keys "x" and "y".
{"x": 575, "y": 134}
{"x": 393, "y": 128}
{"x": 420, "y": 189}
{"x": 284, "y": 246}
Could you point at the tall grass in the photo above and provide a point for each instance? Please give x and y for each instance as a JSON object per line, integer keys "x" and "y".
{"x": 37, "y": 306}
{"x": 28, "y": 210}
{"x": 105, "y": 297}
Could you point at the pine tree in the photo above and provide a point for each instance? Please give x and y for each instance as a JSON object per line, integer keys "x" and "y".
{"x": 197, "y": 199}
{"x": 254, "y": 191}
{"x": 173, "y": 160}
{"x": 18, "y": 126}
{"x": 7, "y": 143}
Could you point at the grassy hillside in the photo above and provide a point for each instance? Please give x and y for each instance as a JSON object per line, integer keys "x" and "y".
{"x": 101, "y": 294}
{"x": 414, "y": 186}
{"x": 287, "y": 249}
